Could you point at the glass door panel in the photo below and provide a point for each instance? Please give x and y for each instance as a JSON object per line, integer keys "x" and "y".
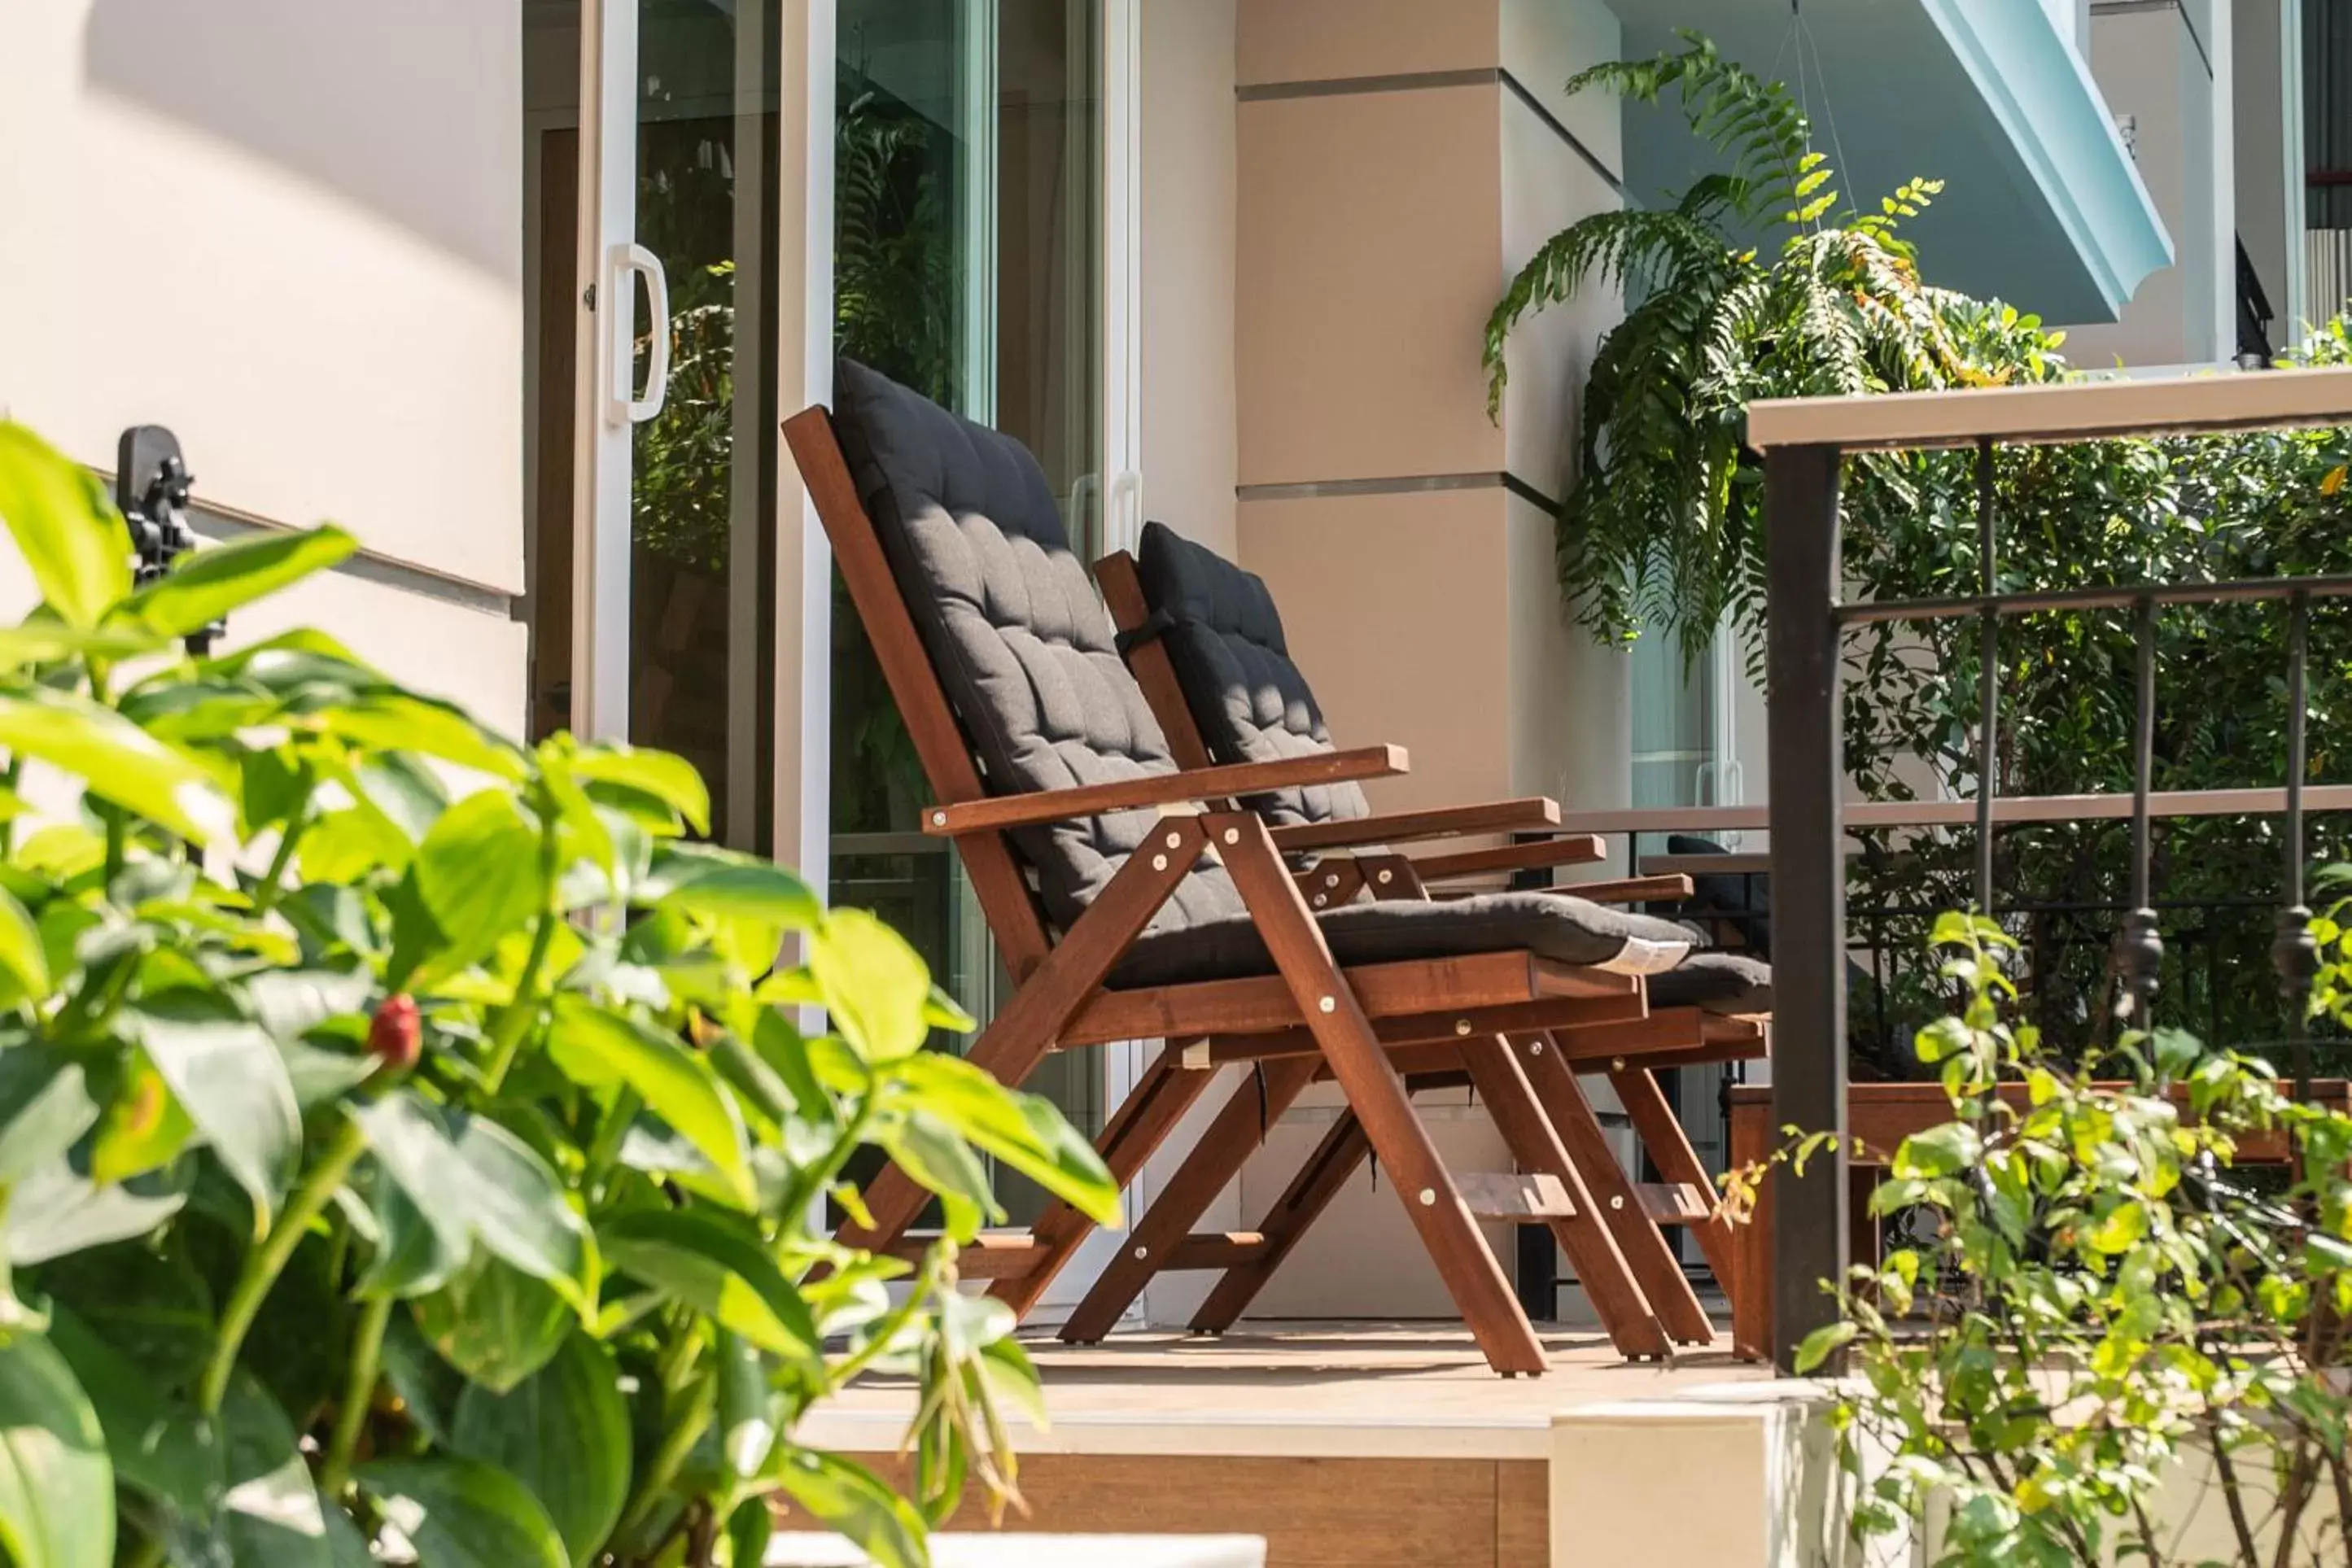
{"x": 651, "y": 131}
{"x": 968, "y": 265}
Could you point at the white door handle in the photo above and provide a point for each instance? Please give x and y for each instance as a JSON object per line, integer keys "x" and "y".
{"x": 1126, "y": 484}
{"x": 626, "y": 264}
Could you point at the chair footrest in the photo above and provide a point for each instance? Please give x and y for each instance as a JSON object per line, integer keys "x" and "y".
{"x": 1217, "y": 1250}
{"x": 1002, "y": 1255}
{"x": 1676, "y": 1202}
{"x": 1508, "y": 1195}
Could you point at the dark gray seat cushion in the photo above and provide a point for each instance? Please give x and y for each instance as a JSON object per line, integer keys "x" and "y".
{"x": 1719, "y": 982}
{"x": 1251, "y": 701}
{"x": 1011, "y": 620}
{"x": 1569, "y": 930}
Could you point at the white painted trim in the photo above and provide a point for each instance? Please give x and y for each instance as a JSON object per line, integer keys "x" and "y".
{"x": 608, "y": 99}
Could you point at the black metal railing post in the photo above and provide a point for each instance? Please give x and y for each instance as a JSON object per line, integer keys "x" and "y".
{"x": 2294, "y": 953}
{"x": 2140, "y": 949}
{"x": 1987, "y": 681}
{"x": 1807, "y": 779}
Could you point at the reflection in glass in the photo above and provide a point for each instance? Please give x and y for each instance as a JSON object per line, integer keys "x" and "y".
{"x": 966, "y": 180}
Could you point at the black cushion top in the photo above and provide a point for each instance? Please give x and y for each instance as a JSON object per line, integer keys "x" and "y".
{"x": 1549, "y": 924}
{"x": 1719, "y": 982}
{"x": 1251, "y": 703}
{"x": 1021, "y": 642}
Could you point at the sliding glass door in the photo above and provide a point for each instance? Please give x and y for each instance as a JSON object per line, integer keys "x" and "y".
{"x": 654, "y": 126}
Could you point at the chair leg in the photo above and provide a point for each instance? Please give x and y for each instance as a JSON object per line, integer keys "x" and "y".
{"x": 1376, "y": 1094}
{"x": 1141, "y": 1124}
{"x": 1010, "y": 1049}
{"x": 1322, "y": 1178}
{"x": 1643, "y": 1244}
{"x": 1214, "y": 1162}
{"x": 1661, "y": 1132}
{"x": 1535, "y": 1142}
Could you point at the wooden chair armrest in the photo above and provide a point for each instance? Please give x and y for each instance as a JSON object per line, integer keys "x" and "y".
{"x": 1523, "y": 815}
{"x": 1630, "y": 890}
{"x": 998, "y": 812}
{"x": 1574, "y": 848}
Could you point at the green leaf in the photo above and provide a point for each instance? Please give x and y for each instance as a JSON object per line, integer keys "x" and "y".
{"x": 389, "y": 720}
{"x": 470, "y": 1178}
{"x": 716, "y": 1269}
{"x": 876, "y": 985}
{"x": 159, "y": 1447}
{"x": 462, "y": 1514}
{"x": 747, "y": 1415}
{"x": 707, "y": 880}
{"x": 44, "y": 641}
{"x": 78, "y": 548}
{"x": 23, "y": 967}
{"x": 598, "y": 1048}
{"x": 1940, "y": 1151}
{"x": 56, "y": 1484}
{"x": 44, "y": 1106}
{"x": 1816, "y": 1346}
{"x": 670, "y": 779}
{"x": 227, "y": 1073}
{"x": 271, "y": 1515}
{"x": 116, "y": 760}
{"x": 495, "y": 1323}
{"x": 413, "y": 1256}
{"x": 849, "y": 1500}
{"x": 205, "y": 584}
{"x": 748, "y": 1530}
{"x": 480, "y": 873}
{"x": 1024, "y": 1131}
{"x": 564, "y": 1432}
{"x": 55, "y": 1211}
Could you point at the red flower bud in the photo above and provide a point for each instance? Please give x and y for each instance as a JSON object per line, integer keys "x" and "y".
{"x": 395, "y": 1036}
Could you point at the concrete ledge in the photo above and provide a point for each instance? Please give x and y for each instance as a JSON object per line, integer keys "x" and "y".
{"x": 1736, "y": 1475}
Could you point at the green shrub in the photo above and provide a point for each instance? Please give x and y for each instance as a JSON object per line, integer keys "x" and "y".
{"x": 405, "y": 1136}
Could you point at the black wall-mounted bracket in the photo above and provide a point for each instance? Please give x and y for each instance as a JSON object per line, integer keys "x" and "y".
{"x": 151, "y": 485}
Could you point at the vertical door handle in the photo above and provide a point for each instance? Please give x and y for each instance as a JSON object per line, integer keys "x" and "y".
{"x": 1125, "y": 484}
{"x": 626, "y": 264}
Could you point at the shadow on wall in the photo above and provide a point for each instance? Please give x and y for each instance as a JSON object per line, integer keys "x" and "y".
{"x": 395, "y": 106}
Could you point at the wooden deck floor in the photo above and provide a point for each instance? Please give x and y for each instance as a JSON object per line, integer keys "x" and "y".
{"x": 1355, "y": 1390}
{"x": 1356, "y": 1446}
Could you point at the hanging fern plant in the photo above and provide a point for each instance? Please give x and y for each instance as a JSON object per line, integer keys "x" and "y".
{"x": 1662, "y": 530}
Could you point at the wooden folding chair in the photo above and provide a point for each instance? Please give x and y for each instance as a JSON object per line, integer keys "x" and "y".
{"x": 1234, "y": 680}
{"x": 1122, "y": 908}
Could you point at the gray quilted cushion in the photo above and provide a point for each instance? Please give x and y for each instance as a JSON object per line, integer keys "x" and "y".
{"x": 1719, "y": 982}
{"x": 1569, "y": 930}
{"x": 1021, "y": 642}
{"x": 1252, "y": 703}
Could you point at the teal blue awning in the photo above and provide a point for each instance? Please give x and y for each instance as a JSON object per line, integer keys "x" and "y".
{"x": 2042, "y": 203}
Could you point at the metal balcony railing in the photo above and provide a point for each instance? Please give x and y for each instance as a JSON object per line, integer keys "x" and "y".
{"x": 1804, "y": 442}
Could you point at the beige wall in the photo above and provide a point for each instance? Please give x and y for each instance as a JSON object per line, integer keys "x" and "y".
{"x": 1188, "y": 169}
{"x": 292, "y": 231}
{"x": 2158, "y": 64}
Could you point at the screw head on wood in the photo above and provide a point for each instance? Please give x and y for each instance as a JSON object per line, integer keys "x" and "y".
{"x": 1462, "y": 1026}
{"x": 1535, "y": 1047}
{"x": 1141, "y": 1253}
{"x": 1386, "y": 877}
{"x": 939, "y": 819}
{"x": 1159, "y": 863}
{"x": 1616, "y": 1064}
{"x": 1329, "y": 1004}
{"x": 1233, "y": 835}
{"x": 1428, "y": 1198}
{"x": 1617, "y": 1200}
{"x": 1330, "y": 879}
{"x": 1175, "y": 840}
{"x": 1321, "y": 901}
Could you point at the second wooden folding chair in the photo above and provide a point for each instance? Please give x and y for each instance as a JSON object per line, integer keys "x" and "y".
{"x": 1207, "y": 646}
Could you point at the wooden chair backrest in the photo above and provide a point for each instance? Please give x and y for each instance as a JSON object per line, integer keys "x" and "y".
{"x": 1122, "y": 592}
{"x": 1005, "y": 900}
